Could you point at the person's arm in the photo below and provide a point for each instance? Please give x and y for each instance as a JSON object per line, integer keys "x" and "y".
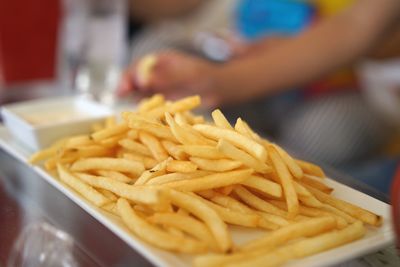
{"x": 328, "y": 45}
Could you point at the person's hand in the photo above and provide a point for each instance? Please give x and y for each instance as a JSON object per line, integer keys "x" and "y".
{"x": 175, "y": 75}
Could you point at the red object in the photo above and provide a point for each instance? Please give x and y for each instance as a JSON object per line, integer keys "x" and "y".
{"x": 28, "y": 39}
{"x": 395, "y": 199}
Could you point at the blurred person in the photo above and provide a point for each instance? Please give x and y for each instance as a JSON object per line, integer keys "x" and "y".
{"x": 333, "y": 128}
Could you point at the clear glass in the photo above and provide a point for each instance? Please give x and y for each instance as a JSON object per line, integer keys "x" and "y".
{"x": 41, "y": 244}
{"x": 94, "y": 44}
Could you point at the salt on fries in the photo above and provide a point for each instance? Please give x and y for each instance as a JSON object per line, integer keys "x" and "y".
{"x": 178, "y": 182}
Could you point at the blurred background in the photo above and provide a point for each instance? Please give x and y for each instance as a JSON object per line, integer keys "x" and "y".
{"x": 348, "y": 119}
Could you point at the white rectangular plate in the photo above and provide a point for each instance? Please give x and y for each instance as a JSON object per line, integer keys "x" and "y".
{"x": 375, "y": 238}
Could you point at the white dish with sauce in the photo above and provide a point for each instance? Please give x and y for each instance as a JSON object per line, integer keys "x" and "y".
{"x": 38, "y": 123}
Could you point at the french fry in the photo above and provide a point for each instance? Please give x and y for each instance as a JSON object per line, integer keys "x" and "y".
{"x": 353, "y": 210}
{"x": 185, "y": 135}
{"x": 307, "y": 228}
{"x": 202, "y": 151}
{"x": 187, "y": 224}
{"x": 118, "y": 176}
{"x": 135, "y": 146}
{"x": 174, "y": 150}
{"x": 82, "y": 188}
{"x": 108, "y": 132}
{"x": 181, "y": 119}
{"x": 211, "y": 181}
{"x": 286, "y": 181}
{"x": 217, "y": 165}
{"x": 235, "y": 205}
{"x": 313, "y": 182}
{"x": 111, "y": 164}
{"x": 154, "y": 128}
{"x": 220, "y": 120}
{"x": 47, "y": 153}
{"x": 243, "y": 142}
{"x": 181, "y": 166}
{"x": 293, "y": 167}
{"x": 255, "y": 202}
{"x": 263, "y": 185}
{"x": 234, "y": 217}
{"x": 151, "y": 103}
{"x": 78, "y": 141}
{"x": 167, "y": 178}
{"x": 155, "y": 235}
{"x": 310, "y": 168}
{"x": 234, "y": 153}
{"x": 154, "y": 145}
{"x": 301, "y": 248}
{"x": 159, "y": 169}
{"x": 137, "y": 194}
{"x": 148, "y": 162}
{"x": 202, "y": 211}
{"x": 313, "y": 212}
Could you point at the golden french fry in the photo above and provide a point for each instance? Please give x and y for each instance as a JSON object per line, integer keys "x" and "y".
{"x": 257, "y": 203}
{"x": 234, "y": 153}
{"x": 154, "y": 145}
{"x": 263, "y": 185}
{"x": 241, "y": 141}
{"x": 313, "y": 182}
{"x": 226, "y": 190}
{"x": 216, "y": 165}
{"x": 235, "y": 205}
{"x": 159, "y": 169}
{"x": 111, "y": 142}
{"x": 132, "y": 134}
{"x": 234, "y": 217}
{"x": 118, "y": 176}
{"x": 187, "y": 224}
{"x": 202, "y": 151}
{"x": 110, "y": 122}
{"x": 78, "y": 141}
{"x": 185, "y": 135}
{"x": 310, "y": 168}
{"x": 154, "y": 128}
{"x": 155, "y": 235}
{"x": 306, "y": 228}
{"x": 92, "y": 151}
{"x": 108, "y": 194}
{"x": 110, "y": 164}
{"x": 313, "y": 212}
{"x": 82, "y": 188}
{"x": 353, "y": 210}
{"x": 220, "y": 120}
{"x": 211, "y": 181}
{"x": 138, "y": 194}
{"x": 300, "y": 248}
{"x": 135, "y": 146}
{"x": 286, "y": 181}
{"x": 112, "y": 208}
{"x": 181, "y": 119}
{"x": 108, "y": 132}
{"x": 144, "y": 69}
{"x": 202, "y": 211}
{"x": 293, "y": 167}
{"x": 174, "y": 150}
{"x": 151, "y": 103}
{"x": 181, "y": 166}
{"x": 167, "y": 178}
{"x": 148, "y": 162}
{"x": 49, "y": 152}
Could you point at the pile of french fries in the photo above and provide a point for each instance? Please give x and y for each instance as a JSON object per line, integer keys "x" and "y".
{"x": 178, "y": 182}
